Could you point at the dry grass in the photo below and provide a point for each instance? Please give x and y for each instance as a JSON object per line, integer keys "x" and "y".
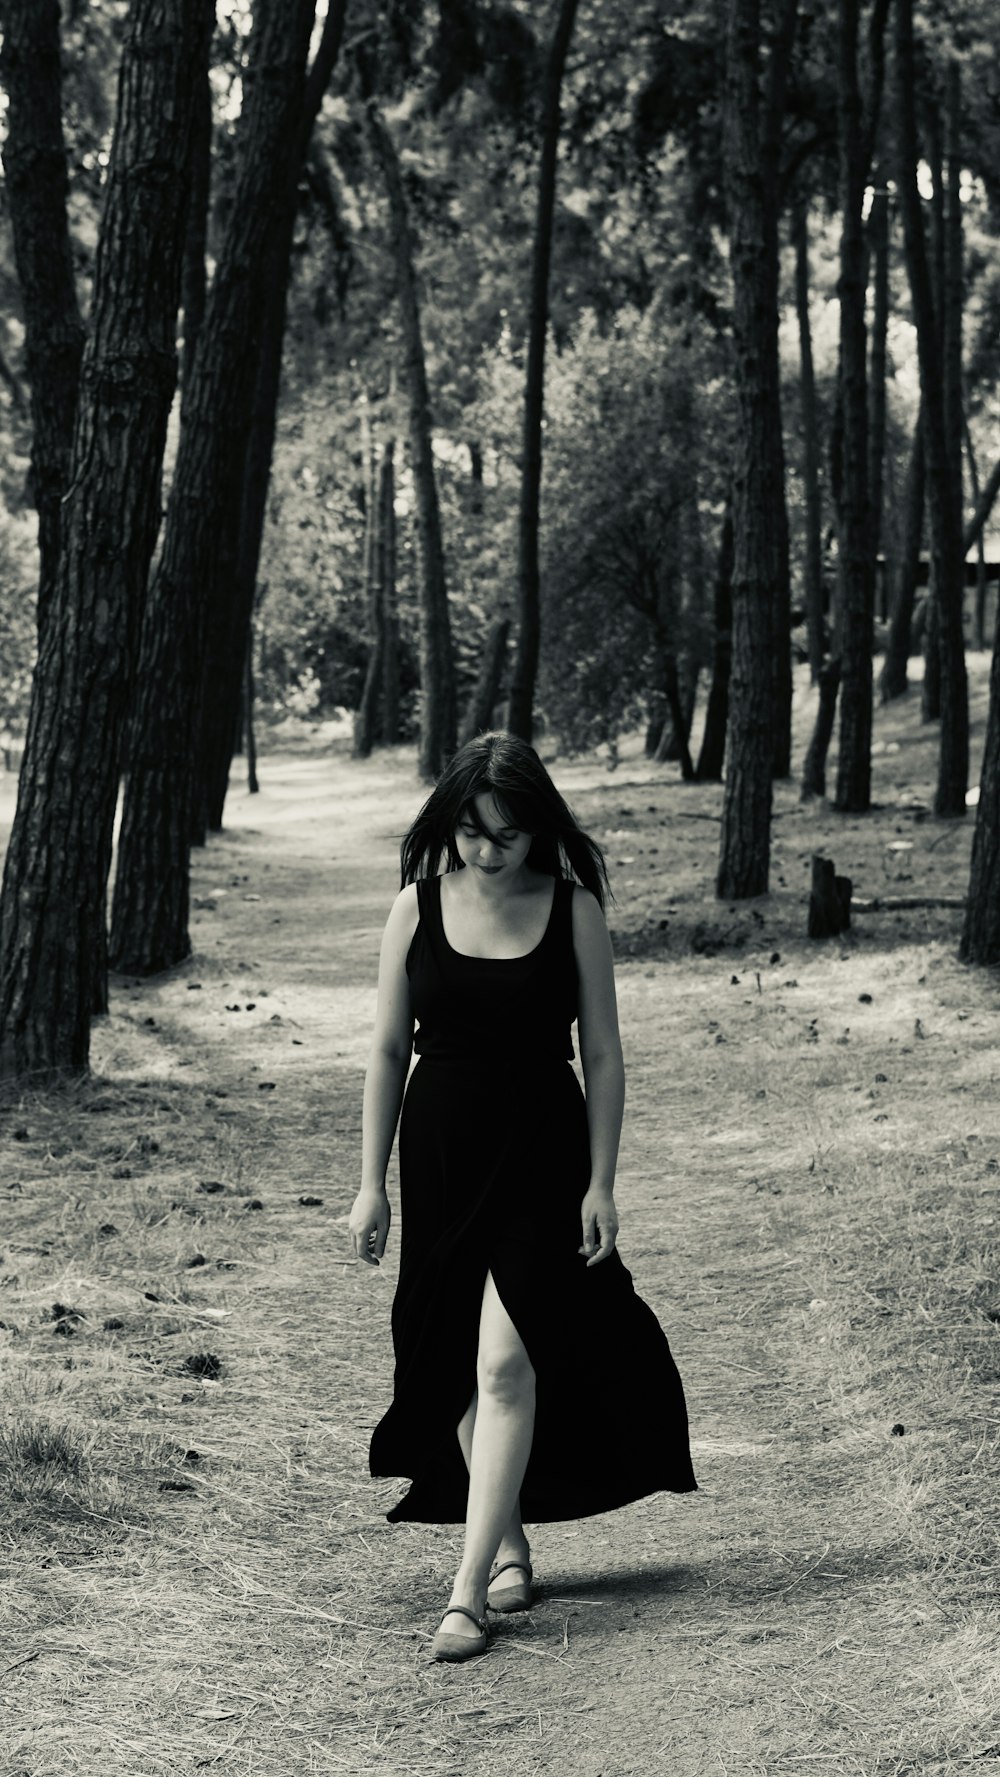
{"x": 195, "y": 1571}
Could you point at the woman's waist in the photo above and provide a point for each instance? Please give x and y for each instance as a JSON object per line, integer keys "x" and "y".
{"x": 507, "y": 1059}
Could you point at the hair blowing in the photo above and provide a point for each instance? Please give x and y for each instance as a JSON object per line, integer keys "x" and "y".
{"x": 510, "y": 770}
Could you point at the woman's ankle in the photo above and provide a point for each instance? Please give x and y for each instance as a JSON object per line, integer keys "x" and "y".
{"x": 515, "y": 1547}
{"x": 470, "y": 1589}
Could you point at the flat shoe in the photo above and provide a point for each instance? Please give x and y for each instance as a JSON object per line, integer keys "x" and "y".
{"x": 459, "y": 1647}
{"x": 511, "y": 1597}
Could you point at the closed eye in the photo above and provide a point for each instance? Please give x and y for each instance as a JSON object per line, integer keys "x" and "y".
{"x": 503, "y": 838}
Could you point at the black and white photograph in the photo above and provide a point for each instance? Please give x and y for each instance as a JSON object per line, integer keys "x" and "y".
{"x": 500, "y": 907}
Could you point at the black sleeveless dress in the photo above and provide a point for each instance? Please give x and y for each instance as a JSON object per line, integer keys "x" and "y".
{"x": 494, "y": 1160}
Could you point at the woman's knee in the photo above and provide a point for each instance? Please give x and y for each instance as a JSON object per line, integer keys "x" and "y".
{"x": 505, "y": 1374}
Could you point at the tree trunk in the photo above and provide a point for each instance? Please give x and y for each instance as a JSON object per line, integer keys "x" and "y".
{"x": 893, "y": 682}
{"x": 980, "y": 941}
{"x": 194, "y": 279}
{"x": 813, "y": 563}
{"x": 878, "y": 240}
{"x": 479, "y": 714}
{"x": 759, "y": 526}
{"x": 390, "y": 612}
{"x": 669, "y": 742}
{"x": 525, "y": 664}
{"x": 438, "y": 719}
{"x": 367, "y": 727}
{"x": 34, "y": 160}
{"x": 943, "y": 474}
{"x": 814, "y": 769}
{"x": 230, "y": 610}
{"x": 979, "y": 619}
{"x": 953, "y": 776}
{"x": 52, "y": 905}
{"x": 984, "y": 506}
{"x": 855, "y": 562}
{"x": 930, "y": 689}
{"x": 149, "y": 929}
{"x": 713, "y": 740}
{"x": 674, "y": 739}
{"x": 249, "y": 724}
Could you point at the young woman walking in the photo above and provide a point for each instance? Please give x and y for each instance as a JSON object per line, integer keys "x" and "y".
{"x": 531, "y": 1382}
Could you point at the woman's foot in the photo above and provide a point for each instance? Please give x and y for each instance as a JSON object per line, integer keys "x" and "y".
{"x": 512, "y": 1568}
{"x": 462, "y": 1631}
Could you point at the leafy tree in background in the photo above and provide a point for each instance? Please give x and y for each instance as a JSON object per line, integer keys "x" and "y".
{"x": 622, "y": 480}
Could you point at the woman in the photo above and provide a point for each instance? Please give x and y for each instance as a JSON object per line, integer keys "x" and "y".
{"x": 530, "y": 1381}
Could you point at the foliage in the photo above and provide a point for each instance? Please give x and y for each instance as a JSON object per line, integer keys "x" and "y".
{"x": 636, "y": 472}
{"x": 639, "y": 315}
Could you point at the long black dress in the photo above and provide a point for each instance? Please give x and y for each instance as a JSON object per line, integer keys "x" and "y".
{"x": 494, "y": 1161}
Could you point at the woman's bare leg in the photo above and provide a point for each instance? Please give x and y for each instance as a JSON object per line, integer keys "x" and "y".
{"x": 498, "y": 1451}
{"x": 513, "y": 1545}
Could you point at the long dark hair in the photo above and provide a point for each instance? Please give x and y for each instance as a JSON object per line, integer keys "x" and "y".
{"x": 511, "y": 771}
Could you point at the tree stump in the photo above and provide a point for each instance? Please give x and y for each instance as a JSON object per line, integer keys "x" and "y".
{"x": 829, "y": 900}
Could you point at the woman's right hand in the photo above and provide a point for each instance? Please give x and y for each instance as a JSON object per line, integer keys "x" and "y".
{"x": 369, "y": 1224}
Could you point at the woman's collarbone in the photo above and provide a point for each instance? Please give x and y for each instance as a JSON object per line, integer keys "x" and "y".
{"x": 481, "y": 938}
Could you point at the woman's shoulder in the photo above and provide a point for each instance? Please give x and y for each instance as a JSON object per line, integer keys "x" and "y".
{"x": 589, "y": 925}
{"x": 404, "y": 914}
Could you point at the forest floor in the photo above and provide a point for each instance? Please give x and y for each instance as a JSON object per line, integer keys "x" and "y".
{"x": 195, "y": 1570}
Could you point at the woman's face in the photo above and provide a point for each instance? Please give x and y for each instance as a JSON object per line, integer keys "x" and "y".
{"x": 500, "y": 850}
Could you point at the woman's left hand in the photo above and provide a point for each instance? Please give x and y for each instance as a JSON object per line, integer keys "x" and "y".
{"x": 600, "y": 1226}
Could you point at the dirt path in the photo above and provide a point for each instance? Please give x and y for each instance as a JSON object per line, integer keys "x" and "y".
{"x": 808, "y": 1187}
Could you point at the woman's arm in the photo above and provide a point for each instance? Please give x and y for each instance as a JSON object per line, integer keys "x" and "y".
{"x": 603, "y": 1071}
{"x": 385, "y": 1079}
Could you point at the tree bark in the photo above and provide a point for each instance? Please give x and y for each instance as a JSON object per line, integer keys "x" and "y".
{"x": 930, "y": 684}
{"x": 479, "y": 714}
{"x": 230, "y": 610}
{"x": 829, "y": 900}
{"x": 713, "y": 740}
{"x": 674, "y": 739}
{"x": 984, "y": 506}
{"x": 979, "y": 617}
{"x": 390, "y": 611}
{"x": 149, "y": 929}
{"x": 249, "y": 721}
{"x": 438, "y": 717}
{"x": 894, "y": 680}
{"x": 878, "y": 243}
{"x": 524, "y": 669}
{"x": 759, "y": 523}
{"x": 855, "y": 562}
{"x": 34, "y": 160}
{"x": 943, "y": 482}
{"x": 930, "y": 687}
{"x": 194, "y": 278}
{"x": 813, "y": 562}
{"x": 814, "y": 768}
{"x": 369, "y": 722}
{"x": 52, "y": 906}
